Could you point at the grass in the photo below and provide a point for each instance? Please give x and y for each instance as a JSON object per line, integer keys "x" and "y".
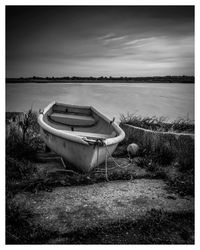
{"x": 183, "y": 183}
{"x": 158, "y": 227}
{"x": 22, "y": 140}
{"x": 22, "y": 145}
{"x": 19, "y": 229}
{"x": 158, "y": 124}
{"x": 177, "y": 180}
{"x": 21, "y": 149}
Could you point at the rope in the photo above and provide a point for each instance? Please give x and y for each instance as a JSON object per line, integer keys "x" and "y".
{"x": 106, "y": 169}
{"x": 97, "y": 154}
{"x": 120, "y": 166}
{"x": 100, "y": 142}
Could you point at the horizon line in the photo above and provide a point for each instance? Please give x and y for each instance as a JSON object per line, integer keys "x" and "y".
{"x": 99, "y": 76}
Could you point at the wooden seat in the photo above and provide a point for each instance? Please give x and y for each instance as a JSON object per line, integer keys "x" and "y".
{"x": 73, "y": 119}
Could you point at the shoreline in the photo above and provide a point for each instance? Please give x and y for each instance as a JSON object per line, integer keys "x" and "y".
{"x": 26, "y": 82}
{"x": 156, "y": 79}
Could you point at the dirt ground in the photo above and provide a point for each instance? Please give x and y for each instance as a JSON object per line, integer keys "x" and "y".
{"x": 67, "y": 209}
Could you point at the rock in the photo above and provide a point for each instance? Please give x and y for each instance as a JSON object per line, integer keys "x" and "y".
{"x": 132, "y": 150}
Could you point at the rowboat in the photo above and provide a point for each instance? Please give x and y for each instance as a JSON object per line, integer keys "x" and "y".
{"x": 81, "y": 135}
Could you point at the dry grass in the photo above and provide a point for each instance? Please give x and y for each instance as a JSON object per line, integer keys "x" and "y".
{"x": 158, "y": 123}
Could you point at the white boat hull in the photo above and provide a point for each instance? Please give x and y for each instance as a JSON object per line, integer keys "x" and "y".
{"x": 82, "y": 152}
{"x": 83, "y": 157}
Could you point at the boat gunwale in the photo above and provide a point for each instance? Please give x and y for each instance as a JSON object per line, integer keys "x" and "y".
{"x": 75, "y": 138}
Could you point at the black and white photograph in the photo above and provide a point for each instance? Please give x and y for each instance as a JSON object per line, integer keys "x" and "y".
{"x": 99, "y": 124}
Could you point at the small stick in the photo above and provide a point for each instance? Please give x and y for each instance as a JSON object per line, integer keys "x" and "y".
{"x": 63, "y": 162}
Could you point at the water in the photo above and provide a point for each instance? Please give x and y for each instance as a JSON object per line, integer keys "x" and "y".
{"x": 159, "y": 99}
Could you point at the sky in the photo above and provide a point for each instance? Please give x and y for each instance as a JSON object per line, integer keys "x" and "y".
{"x": 99, "y": 41}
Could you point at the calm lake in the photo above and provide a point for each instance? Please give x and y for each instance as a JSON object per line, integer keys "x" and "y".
{"x": 159, "y": 99}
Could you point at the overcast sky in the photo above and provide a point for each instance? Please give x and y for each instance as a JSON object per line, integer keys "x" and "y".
{"x": 99, "y": 41}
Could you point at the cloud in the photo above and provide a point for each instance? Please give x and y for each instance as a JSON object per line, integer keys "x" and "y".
{"x": 141, "y": 41}
{"x": 120, "y": 40}
{"x": 111, "y": 37}
{"x": 106, "y": 36}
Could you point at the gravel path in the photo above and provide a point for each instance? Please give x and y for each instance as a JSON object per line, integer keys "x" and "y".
{"x": 68, "y": 209}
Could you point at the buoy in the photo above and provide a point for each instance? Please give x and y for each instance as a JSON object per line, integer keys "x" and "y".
{"x": 132, "y": 150}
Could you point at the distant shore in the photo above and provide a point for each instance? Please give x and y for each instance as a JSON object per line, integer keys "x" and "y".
{"x": 156, "y": 79}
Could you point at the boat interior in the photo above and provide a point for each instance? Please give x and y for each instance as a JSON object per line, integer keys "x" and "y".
{"x": 80, "y": 121}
